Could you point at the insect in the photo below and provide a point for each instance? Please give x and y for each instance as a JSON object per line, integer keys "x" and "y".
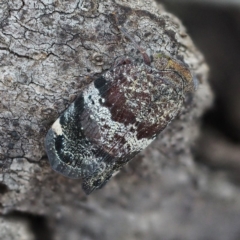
{"x": 117, "y": 116}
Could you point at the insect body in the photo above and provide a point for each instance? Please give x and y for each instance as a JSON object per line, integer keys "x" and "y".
{"x": 115, "y": 117}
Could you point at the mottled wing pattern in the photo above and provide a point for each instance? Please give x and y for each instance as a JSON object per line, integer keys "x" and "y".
{"x": 110, "y": 122}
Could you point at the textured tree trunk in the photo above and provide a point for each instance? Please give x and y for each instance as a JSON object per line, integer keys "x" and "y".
{"x": 50, "y": 50}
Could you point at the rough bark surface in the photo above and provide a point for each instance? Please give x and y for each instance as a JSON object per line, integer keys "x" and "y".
{"x": 15, "y": 229}
{"x": 49, "y": 51}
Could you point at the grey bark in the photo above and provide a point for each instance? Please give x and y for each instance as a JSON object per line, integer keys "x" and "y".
{"x": 49, "y": 51}
{"x": 15, "y": 229}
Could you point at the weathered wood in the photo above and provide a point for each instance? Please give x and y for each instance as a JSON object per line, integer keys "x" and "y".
{"x": 49, "y": 51}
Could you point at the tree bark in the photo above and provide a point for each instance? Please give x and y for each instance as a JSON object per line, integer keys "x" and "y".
{"x": 49, "y": 51}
